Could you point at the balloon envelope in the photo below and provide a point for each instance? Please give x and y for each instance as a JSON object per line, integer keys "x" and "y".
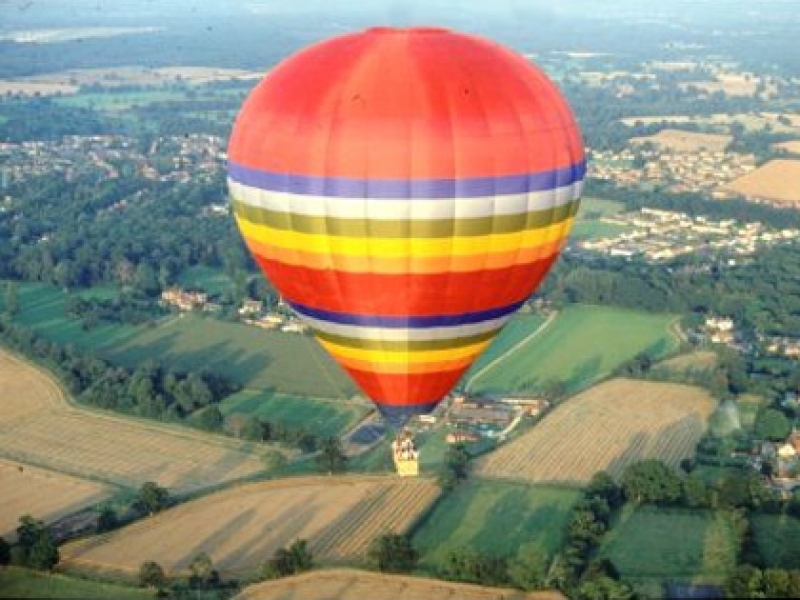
{"x": 405, "y": 190}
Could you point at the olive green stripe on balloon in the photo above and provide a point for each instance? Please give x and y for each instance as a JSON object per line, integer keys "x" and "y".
{"x": 410, "y": 228}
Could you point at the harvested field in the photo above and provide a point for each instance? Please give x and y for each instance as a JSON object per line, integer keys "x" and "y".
{"x": 351, "y": 584}
{"x": 700, "y": 360}
{"x": 774, "y": 182}
{"x": 686, "y": 141}
{"x": 45, "y": 495}
{"x": 35, "y": 88}
{"x": 39, "y": 427}
{"x": 606, "y": 428}
{"x": 135, "y": 75}
{"x": 792, "y": 147}
{"x": 240, "y": 528}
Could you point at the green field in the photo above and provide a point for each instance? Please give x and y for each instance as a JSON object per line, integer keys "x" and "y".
{"x": 588, "y": 224}
{"x": 777, "y": 540}
{"x": 592, "y": 229}
{"x": 575, "y": 348}
{"x": 660, "y": 544}
{"x": 494, "y": 518}
{"x": 255, "y": 358}
{"x": 119, "y": 101}
{"x": 593, "y": 207}
{"x": 517, "y": 329}
{"x": 212, "y": 281}
{"x": 325, "y": 418}
{"x": 23, "y": 583}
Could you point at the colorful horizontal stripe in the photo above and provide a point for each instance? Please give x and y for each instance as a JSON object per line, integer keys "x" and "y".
{"x": 405, "y": 193}
{"x": 376, "y": 189}
{"x": 400, "y": 208}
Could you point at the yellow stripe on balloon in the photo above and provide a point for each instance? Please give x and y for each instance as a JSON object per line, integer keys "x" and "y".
{"x": 401, "y": 368}
{"x": 404, "y": 356}
{"x": 403, "y": 247}
{"x": 399, "y": 265}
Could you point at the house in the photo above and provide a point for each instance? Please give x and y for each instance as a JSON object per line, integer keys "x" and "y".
{"x": 251, "y": 307}
{"x": 459, "y": 437}
{"x": 184, "y": 300}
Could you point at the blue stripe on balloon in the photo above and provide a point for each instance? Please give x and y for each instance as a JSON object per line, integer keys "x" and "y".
{"x": 344, "y": 187}
{"x": 406, "y": 322}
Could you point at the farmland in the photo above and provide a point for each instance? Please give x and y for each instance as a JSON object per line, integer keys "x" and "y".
{"x": 252, "y": 357}
{"x": 776, "y": 538}
{"x": 240, "y": 527}
{"x": 772, "y": 182}
{"x": 16, "y": 582}
{"x": 351, "y": 584}
{"x": 606, "y": 428}
{"x": 40, "y": 428}
{"x": 574, "y": 349}
{"x": 46, "y": 495}
{"x": 324, "y": 418}
{"x": 686, "y": 141}
{"x": 473, "y": 514}
{"x": 650, "y": 543}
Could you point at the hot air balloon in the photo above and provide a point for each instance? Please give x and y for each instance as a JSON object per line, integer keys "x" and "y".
{"x": 405, "y": 190}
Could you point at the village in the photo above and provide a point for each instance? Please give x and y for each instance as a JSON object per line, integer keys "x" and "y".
{"x": 250, "y": 312}
{"x": 661, "y": 235}
{"x": 649, "y": 162}
{"x": 167, "y": 158}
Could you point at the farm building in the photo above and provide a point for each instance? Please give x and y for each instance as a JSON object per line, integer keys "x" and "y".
{"x": 479, "y": 413}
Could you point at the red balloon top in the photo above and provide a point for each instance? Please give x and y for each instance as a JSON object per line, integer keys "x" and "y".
{"x": 420, "y": 103}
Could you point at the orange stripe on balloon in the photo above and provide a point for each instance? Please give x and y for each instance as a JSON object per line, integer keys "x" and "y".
{"x": 406, "y": 389}
{"x": 402, "y": 294}
{"x": 414, "y": 265}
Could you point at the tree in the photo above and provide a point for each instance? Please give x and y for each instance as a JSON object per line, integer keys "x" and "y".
{"x": 393, "y": 553}
{"x": 151, "y": 575}
{"x": 746, "y": 582}
{"x": 151, "y": 498}
{"x": 331, "y": 458}
{"x": 455, "y": 467}
{"x": 203, "y": 574}
{"x": 11, "y": 299}
{"x": 44, "y": 554}
{"x": 695, "y": 491}
{"x": 107, "y": 519}
{"x": 288, "y": 561}
{"x": 651, "y": 481}
{"x": 772, "y": 425}
{"x": 211, "y": 419}
{"x": 5, "y": 552}
{"x": 529, "y": 570}
{"x": 35, "y": 547}
{"x": 602, "y": 485}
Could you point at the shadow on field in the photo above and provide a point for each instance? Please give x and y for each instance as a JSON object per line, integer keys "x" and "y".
{"x": 645, "y": 445}
{"x": 219, "y": 357}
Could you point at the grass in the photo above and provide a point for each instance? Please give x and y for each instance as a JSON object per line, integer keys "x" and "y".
{"x": 494, "y": 518}
{"x": 516, "y": 330}
{"x": 591, "y": 229}
{"x": 575, "y": 349}
{"x": 655, "y": 543}
{"x": 212, "y": 281}
{"x": 588, "y": 225}
{"x": 16, "y": 582}
{"x": 776, "y": 538}
{"x": 255, "y": 358}
{"x": 325, "y": 418}
{"x": 120, "y": 101}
